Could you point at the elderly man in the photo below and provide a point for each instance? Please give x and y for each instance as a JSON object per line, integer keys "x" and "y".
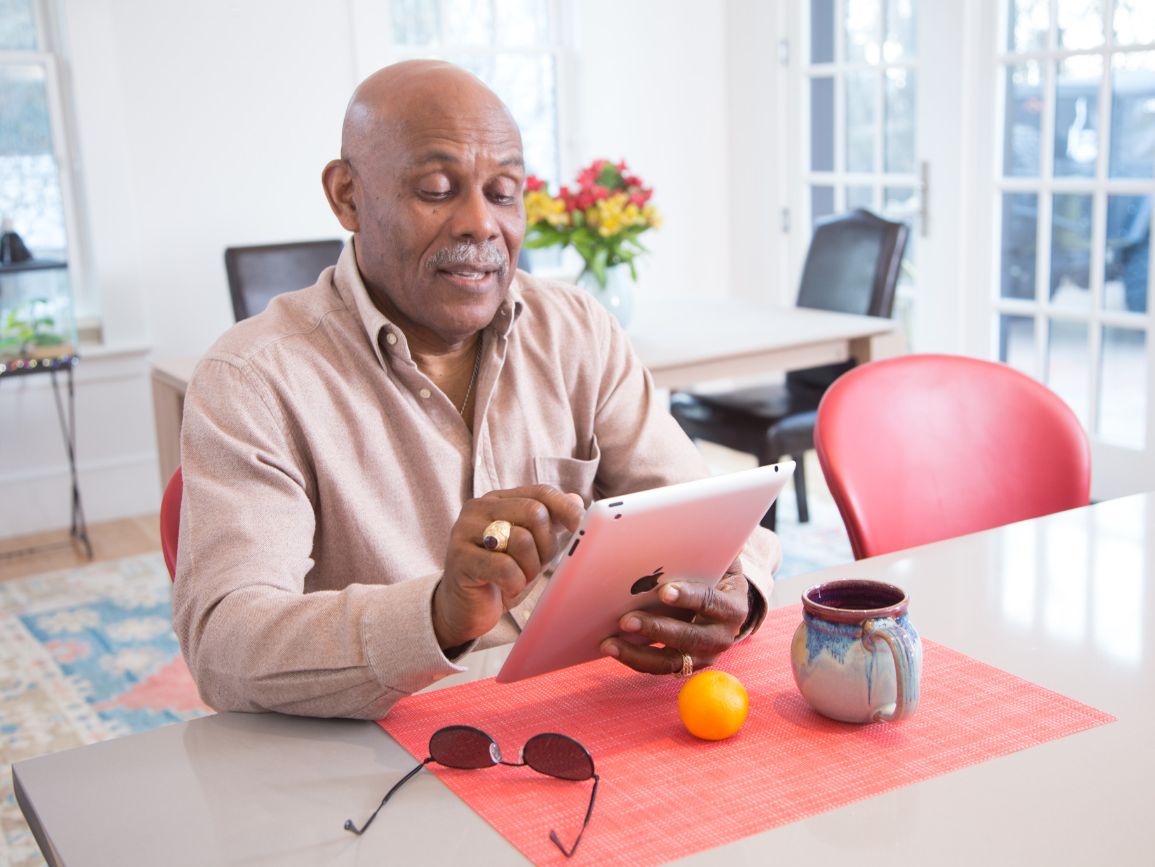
{"x": 345, "y": 451}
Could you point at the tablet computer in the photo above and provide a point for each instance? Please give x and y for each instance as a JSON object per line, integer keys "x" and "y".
{"x": 625, "y": 548}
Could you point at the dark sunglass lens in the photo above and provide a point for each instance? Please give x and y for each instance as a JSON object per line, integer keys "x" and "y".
{"x": 558, "y": 756}
{"x": 463, "y": 747}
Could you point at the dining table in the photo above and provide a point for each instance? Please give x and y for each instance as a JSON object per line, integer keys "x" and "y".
{"x": 683, "y": 340}
{"x": 1061, "y": 606}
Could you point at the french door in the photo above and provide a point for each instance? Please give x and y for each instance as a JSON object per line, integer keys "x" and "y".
{"x": 860, "y": 74}
{"x": 1018, "y": 138}
{"x": 1074, "y": 169}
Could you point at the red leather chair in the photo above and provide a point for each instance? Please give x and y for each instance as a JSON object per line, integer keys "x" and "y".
{"x": 170, "y": 520}
{"x": 927, "y": 447}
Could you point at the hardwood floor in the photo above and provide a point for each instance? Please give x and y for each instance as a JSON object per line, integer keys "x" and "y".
{"x": 110, "y": 541}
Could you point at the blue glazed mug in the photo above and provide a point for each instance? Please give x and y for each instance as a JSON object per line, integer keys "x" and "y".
{"x": 856, "y": 656}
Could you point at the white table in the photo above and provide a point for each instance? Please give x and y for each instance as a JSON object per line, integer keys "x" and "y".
{"x": 1066, "y": 601}
{"x": 683, "y": 341}
{"x": 687, "y": 341}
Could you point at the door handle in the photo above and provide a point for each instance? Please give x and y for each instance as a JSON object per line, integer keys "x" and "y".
{"x": 923, "y": 198}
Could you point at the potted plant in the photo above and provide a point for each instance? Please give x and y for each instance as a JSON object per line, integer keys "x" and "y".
{"x": 29, "y": 331}
{"x": 602, "y": 218}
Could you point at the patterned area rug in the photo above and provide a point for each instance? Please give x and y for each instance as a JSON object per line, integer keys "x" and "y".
{"x": 89, "y": 654}
{"x": 85, "y": 655}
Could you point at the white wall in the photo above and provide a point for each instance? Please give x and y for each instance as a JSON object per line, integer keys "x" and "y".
{"x": 225, "y": 114}
{"x": 204, "y": 125}
{"x": 652, "y": 91}
{"x": 756, "y": 96}
{"x": 116, "y": 446}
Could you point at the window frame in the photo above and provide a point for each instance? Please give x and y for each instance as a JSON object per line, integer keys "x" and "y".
{"x": 374, "y": 47}
{"x": 48, "y": 56}
{"x": 879, "y": 179}
{"x": 1041, "y": 307}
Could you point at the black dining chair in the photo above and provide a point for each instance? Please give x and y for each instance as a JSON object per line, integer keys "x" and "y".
{"x": 257, "y": 273}
{"x": 852, "y": 266}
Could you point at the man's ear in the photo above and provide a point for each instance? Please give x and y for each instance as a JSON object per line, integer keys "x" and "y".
{"x": 337, "y": 179}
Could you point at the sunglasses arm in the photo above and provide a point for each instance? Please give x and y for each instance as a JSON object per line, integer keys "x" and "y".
{"x": 349, "y": 826}
{"x": 589, "y": 812}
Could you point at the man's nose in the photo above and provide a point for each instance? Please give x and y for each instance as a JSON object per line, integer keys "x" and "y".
{"x": 474, "y": 218}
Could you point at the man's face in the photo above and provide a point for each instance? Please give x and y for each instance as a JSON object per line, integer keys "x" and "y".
{"x": 441, "y": 218}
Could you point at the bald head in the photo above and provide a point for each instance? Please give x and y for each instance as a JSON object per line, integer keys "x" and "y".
{"x": 414, "y": 91}
{"x": 430, "y": 180}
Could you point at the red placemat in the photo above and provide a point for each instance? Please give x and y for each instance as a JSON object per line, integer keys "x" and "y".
{"x": 664, "y": 794}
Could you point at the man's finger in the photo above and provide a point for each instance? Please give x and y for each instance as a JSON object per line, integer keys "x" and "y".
{"x": 564, "y": 508}
{"x": 488, "y": 567}
{"x": 707, "y": 601}
{"x": 647, "y": 660}
{"x": 686, "y": 635}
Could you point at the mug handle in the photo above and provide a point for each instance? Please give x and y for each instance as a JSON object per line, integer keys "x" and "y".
{"x": 902, "y": 649}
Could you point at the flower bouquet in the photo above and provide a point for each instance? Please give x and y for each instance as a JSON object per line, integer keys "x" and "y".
{"x": 602, "y": 218}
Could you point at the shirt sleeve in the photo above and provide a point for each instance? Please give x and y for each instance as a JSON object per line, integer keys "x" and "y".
{"x": 253, "y": 638}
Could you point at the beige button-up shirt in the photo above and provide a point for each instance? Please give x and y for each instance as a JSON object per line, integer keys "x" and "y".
{"x": 323, "y": 471}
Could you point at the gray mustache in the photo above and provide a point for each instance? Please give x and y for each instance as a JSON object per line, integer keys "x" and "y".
{"x": 472, "y": 255}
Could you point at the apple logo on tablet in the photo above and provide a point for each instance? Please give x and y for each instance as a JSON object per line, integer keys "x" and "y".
{"x": 646, "y": 583}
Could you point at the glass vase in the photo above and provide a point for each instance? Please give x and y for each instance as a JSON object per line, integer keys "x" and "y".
{"x": 617, "y": 295}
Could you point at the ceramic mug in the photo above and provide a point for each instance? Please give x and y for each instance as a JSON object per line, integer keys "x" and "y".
{"x": 856, "y": 656}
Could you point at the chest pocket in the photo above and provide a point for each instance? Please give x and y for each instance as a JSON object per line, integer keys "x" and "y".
{"x": 570, "y": 475}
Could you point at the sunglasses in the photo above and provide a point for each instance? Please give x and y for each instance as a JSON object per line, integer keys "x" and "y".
{"x": 467, "y": 748}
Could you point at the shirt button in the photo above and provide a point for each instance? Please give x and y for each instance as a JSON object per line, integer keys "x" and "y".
{"x": 425, "y": 394}
{"x": 390, "y": 338}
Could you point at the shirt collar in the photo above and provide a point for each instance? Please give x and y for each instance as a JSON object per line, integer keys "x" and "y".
{"x": 377, "y": 326}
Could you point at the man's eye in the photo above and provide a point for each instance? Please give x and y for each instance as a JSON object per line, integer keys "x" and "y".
{"x": 434, "y": 186}
{"x": 503, "y": 194}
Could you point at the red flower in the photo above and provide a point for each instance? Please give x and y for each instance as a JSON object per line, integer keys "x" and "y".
{"x": 533, "y": 182}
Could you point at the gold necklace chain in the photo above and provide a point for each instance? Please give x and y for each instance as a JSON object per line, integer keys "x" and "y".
{"x": 473, "y": 378}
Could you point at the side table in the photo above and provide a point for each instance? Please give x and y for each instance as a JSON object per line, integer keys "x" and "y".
{"x": 53, "y": 365}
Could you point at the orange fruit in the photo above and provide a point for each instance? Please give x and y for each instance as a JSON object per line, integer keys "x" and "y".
{"x": 713, "y": 705}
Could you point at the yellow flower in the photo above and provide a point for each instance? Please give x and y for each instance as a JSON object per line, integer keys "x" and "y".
{"x": 541, "y": 207}
{"x": 609, "y": 215}
{"x": 652, "y": 217}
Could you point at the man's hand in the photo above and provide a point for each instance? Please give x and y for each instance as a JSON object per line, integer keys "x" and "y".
{"x": 715, "y": 616}
{"x": 478, "y": 585}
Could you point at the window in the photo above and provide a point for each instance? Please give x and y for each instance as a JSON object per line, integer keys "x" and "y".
{"x": 35, "y": 191}
{"x": 861, "y": 78}
{"x": 862, "y": 83}
{"x": 514, "y": 46}
{"x": 1076, "y": 182}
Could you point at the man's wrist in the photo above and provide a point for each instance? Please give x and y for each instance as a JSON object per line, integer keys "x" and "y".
{"x": 755, "y": 610}
{"x": 448, "y": 639}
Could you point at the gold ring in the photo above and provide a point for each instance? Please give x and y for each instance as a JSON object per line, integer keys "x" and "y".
{"x": 496, "y": 536}
{"x": 687, "y": 666}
